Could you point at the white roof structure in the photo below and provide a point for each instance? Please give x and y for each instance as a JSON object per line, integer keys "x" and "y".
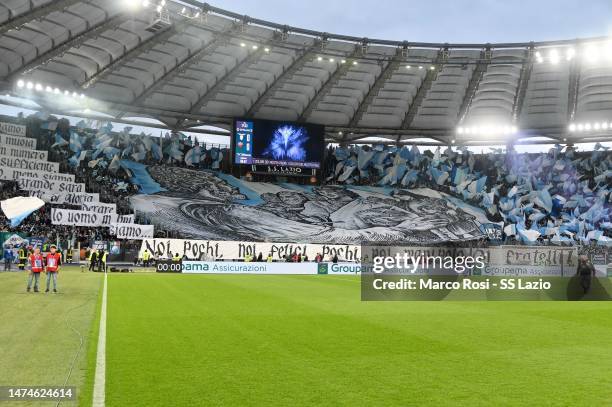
{"x": 190, "y": 64}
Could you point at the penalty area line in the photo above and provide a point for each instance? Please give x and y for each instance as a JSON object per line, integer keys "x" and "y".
{"x": 100, "y": 375}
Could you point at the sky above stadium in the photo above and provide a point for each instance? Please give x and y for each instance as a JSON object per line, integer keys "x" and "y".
{"x": 439, "y": 20}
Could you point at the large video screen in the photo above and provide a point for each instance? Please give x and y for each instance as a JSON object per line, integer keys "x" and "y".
{"x": 264, "y": 142}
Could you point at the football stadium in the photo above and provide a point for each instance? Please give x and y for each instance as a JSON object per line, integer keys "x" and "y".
{"x": 259, "y": 203}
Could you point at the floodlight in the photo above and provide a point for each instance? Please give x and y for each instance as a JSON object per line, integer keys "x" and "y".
{"x": 572, "y": 127}
{"x": 460, "y": 130}
{"x": 408, "y": 67}
{"x": 420, "y": 66}
{"x": 580, "y": 127}
{"x": 591, "y": 53}
{"x": 145, "y": 3}
{"x": 604, "y": 125}
{"x": 30, "y": 85}
{"x": 319, "y": 58}
{"x": 587, "y": 126}
{"x": 38, "y": 87}
{"x": 571, "y": 52}
{"x": 56, "y": 91}
{"x": 597, "y": 126}
{"x": 20, "y": 83}
{"x": 49, "y": 89}
{"x": 553, "y": 55}
{"x": 159, "y": 9}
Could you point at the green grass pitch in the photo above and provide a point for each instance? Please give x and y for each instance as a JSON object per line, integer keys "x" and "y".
{"x": 176, "y": 340}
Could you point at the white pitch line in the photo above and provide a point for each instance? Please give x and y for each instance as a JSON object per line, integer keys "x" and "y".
{"x": 100, "y": 376}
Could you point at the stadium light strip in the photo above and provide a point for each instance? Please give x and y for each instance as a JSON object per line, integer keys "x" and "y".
{"x": 590, "y": 53}
{"x": 487, "y": 130}
{"x": 583, "y": 127}
{"x": 43, "y": 88}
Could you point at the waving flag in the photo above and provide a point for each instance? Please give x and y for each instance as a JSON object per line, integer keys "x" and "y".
{"x": 19, "y": 208}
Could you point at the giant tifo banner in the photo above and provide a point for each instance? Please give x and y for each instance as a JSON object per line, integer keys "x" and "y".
{"x": 232, "y": 250}
{"x": 209, "y": 206}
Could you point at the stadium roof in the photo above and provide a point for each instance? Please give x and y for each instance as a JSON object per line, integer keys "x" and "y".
{"x": 188, "y": 64}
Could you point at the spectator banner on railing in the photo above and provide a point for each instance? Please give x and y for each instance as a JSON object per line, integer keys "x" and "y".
{"x": 12, "y": 129}
{"x": 57, "y": 187}
{"x": 70, "y": 217}
{"x": 67, "y": 198}
{"x": 100, "y": 208}
{"x": 13, "y": 141}
{"x": 230, "y": 250}
{"x": 125, "y": 219}
{"x": 25, "y": 153}
{"x": 25, "y": 164}
{"x": 203, "y": 267}
{"x": 532, "y": 261}
{"x": 13, "y": 174}
{"x": 132, "y": 231}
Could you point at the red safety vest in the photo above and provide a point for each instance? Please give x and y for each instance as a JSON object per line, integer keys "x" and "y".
{"x": 53, "y": 262}
{"x": 36, "y": 261}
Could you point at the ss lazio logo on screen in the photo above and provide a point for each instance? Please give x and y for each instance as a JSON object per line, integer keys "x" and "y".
{"x": 287, "y": 143}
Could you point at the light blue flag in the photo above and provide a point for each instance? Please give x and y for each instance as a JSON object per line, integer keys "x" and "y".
{"x": 59, "y": 141}
{"x": 193, "y": 156}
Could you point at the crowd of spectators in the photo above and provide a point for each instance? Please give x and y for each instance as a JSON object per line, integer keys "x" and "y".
{"x": 506, "y": 185}
{"x": 562, "y": 196}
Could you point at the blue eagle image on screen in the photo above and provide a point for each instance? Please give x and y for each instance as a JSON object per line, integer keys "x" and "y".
{"x": 287, "y": 143}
